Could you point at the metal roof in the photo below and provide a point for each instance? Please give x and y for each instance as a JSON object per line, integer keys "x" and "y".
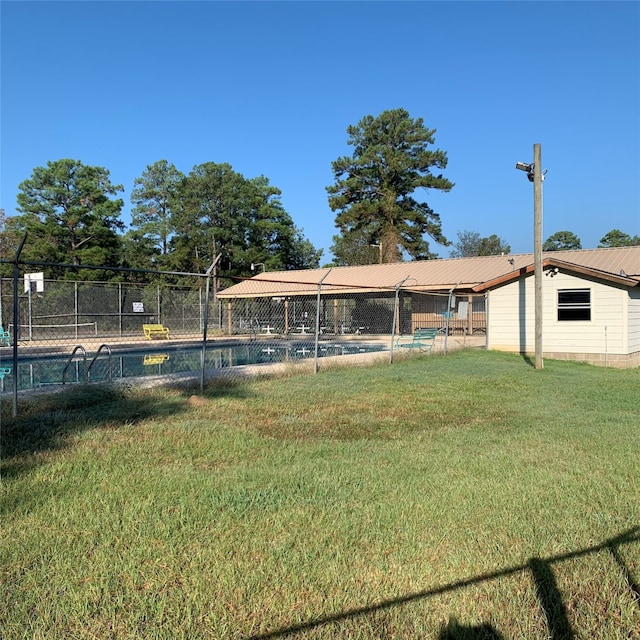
{"x": 621, "y": 264}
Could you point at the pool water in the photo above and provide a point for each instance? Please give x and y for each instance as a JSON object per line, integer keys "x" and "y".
{"x": 45, "y": 370}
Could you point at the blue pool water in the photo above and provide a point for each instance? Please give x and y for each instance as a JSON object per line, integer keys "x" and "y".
{"x": 44, "y": 370}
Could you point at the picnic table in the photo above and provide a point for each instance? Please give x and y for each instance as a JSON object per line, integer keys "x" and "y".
{"x": 302, "y": 329}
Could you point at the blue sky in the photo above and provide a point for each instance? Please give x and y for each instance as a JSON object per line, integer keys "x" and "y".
{"x": 270, "y": 88}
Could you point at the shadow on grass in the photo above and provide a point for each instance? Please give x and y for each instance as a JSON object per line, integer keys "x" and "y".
{"x": 46, "y": 422}
{"x": 550, "y": 599}
{"x": 529, "y": 360}
{"x": 541, "y": 571}
{"x": 455, "y": 631}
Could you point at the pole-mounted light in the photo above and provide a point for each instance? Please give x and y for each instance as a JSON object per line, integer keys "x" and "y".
{"x": 530, "y": 170}
{"x": 527, "y": 168}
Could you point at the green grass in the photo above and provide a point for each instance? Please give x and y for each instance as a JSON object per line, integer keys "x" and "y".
{"x": 468, "y": 496}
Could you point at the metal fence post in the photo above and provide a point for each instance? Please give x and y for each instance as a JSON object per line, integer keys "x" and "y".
{"x": 75, "y": 305}
{"x": 16, "y": 325}
{"x": 205, "y": 320}
{"x": 315, "y": 358}
{"x": 448, "y": 315}
{"x": 396, "y": 312}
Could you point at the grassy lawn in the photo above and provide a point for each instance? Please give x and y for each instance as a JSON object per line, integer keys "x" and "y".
{"x": 460, "y": 497}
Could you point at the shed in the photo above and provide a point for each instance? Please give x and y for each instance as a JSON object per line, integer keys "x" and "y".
{"x": 590, "y": 307}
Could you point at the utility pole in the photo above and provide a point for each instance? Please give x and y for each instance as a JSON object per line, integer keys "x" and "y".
{"x": 537, "y": 249}
{"x": 535, "y": 174}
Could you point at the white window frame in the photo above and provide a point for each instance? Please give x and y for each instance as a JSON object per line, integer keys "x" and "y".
{"x": 575, "y": 306}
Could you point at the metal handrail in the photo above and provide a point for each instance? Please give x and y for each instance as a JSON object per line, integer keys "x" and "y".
{"x": 78, "y": 347}
{"x": 100, "y": 348}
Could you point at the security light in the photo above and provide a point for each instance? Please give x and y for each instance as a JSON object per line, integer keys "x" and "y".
{"x": 523, "y": 166}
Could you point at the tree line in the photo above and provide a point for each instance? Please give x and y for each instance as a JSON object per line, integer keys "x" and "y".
{"x": 181, "y": 223}
{"x": 71, "y": 213}
{"x": 471, "y": 243}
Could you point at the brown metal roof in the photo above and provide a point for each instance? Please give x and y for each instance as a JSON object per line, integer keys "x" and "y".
{"x": 478, "y": 273}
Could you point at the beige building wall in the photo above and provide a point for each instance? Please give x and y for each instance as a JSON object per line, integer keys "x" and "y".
{"x": 634, "y": 321}
{"x": 610, "y": 337}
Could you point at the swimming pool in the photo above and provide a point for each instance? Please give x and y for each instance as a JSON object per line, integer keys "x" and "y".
{"x": 45, "y": 370}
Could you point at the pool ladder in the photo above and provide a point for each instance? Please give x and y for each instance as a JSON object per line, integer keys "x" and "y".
{"x": 86, "y": 371}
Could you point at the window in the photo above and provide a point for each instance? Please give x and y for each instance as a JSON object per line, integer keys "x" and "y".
{"x": 574, "y": 304}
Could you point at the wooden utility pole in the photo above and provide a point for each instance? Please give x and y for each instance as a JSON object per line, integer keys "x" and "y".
{"x": 537, "y": 249}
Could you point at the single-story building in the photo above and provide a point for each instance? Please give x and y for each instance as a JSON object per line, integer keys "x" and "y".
{"x": 590, "y": 299}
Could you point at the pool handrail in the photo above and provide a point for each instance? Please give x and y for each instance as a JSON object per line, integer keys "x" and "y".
{"x": 100, "y": 348}
{"x": 78, "y": 347}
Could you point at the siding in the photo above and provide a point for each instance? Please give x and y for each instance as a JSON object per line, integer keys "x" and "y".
{"x": 634, "y": 321}
{"x": 512, "y": 318}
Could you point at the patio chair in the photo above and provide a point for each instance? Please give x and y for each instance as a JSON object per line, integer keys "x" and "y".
{"x": 422, "y": 339}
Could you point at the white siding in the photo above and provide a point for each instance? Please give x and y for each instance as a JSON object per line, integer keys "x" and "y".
{"x": 511, "y": 318}
{"x": 634, "y": 320}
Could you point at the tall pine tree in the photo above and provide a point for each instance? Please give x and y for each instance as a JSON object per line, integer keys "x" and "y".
{"x": 374, "y": 189}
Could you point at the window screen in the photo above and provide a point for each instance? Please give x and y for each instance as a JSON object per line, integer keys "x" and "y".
{"x": 574, "y": 304}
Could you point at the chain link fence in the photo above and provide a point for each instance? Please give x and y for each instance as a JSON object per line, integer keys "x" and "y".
{"x": 62, "y": 332}
{"x": 371, "y": 313}
{"x": 50, "y": 311}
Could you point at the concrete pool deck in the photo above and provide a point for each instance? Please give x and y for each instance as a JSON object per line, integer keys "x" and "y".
{"x": 123, "y": 346}
{"x": 28, "y": 348}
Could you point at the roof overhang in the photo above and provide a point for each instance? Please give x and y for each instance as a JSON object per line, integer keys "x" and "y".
{"x": 550, "y": 263}
{"x": 464, "y": 275}
{"x": 257, "y": 287}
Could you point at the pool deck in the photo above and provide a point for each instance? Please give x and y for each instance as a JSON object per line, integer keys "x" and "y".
{"x": 31, "y": 348}
{"x": 122, "y": 345}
